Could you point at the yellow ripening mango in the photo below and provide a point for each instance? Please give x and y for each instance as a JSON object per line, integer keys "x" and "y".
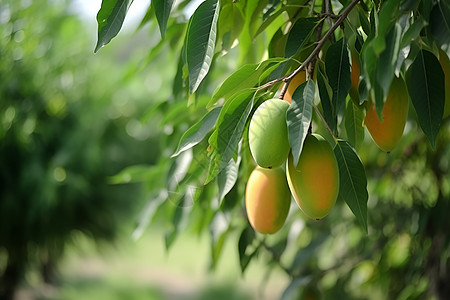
{"x": 268, "y": 134}
{"x": 387, "y": 133}
{"x": 445, "y": 64}
{"x": 293, "y": 85}
{"x": 315, "y": 182}
{"x": 267, "y": 199}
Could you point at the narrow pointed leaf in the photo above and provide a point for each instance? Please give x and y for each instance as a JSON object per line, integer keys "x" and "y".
{"x": 354, "y": 118}
{"x": 298, "y": 117}
{"x": 299, "y": 35}
{"x": 352, "y": 181}
{"x": 228, "y": 177}
{"x": 200, "y": 42}
{"x": 229, "y": 128}
{"x": 425, "y": 80}
{"x": 110, "y": 18}
{"x": 413, "y": 32}
{"x": 198, "y": 131}
{"x": 244, "y": 78}
{"x": 162, "y": 11}
{"x": 326, "y": 94}
{"x": 245, "y": 240}
{"x": 338, "y": 72}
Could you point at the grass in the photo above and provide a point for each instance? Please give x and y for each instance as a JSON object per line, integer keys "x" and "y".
{"x": 143, "y": 269}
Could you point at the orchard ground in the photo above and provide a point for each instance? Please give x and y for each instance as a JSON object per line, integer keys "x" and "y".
{"x": 143, "y": 269}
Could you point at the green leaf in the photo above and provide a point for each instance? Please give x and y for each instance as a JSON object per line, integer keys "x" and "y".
{"x": 375, "y": 44}
{"x": 200, "y": 41}
{"x": 147, "y": 17}
{"x": 245, "y": 240}
{"x": 110, "y": 18}
{"x": 338, "y": 72}
{"x": 425, "y": 80}
{"x": 162, "y": 11}
{"x": 298, "y": 117}
{"x": 387, "y": 18}
{"x": 225, "y": 138}
{"x": 413, "y": 32}
{"x": 231, "y": 21}
{"x": 354, "y": 119}
{"x": 198, "y": 131}
{"x": 228, "y": 177}
{"x": 244, "y": 78}
{"x": 385, "y": 67}
{"x": 440, "y": 24}
{"x": 299, "y": 35}
{"x": 270, "y": 20}
{"x": 352, "y": 181}
{"x": 326, "y": 94}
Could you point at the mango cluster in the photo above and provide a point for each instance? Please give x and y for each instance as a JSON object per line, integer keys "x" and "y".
{"x": 313, "y": 182}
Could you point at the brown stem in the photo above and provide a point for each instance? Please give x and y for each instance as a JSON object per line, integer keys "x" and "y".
{"x": 316, "y": 50}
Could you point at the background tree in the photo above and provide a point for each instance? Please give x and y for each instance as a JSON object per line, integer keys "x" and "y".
{"x": 61, "y": 137}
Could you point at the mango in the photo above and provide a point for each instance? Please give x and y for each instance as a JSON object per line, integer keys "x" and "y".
{"x": 293, "y": 85}
{"x": 268, "y": 134}
{"x": 387, "y": 133}
{"x": 267, "y": 199}
{"x": 314, "y": 183}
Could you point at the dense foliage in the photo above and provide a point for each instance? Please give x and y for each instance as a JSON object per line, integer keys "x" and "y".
{"x": 230, "y": 56}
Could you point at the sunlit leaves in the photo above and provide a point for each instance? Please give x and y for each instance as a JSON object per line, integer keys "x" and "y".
{"x": 110, "y": 18}
{"x": 198, "y": 131}
{"x": 243, "y": 79}
{"x": 298, "y": 117}
{"x": 228, "y": 177}
{"x": 425, "y": 80}
{"x": 200, "y": 41}
{"x": 225, "y": 138}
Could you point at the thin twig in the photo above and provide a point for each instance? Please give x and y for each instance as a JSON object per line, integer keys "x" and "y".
{"x": 316, "y": 50}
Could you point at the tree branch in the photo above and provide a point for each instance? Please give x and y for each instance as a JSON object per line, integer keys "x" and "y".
{"x": 287, "y": 78}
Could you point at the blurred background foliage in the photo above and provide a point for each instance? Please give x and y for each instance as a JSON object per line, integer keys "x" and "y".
{"x": 69, "y": 121}
{"x": 76, "y": 126}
